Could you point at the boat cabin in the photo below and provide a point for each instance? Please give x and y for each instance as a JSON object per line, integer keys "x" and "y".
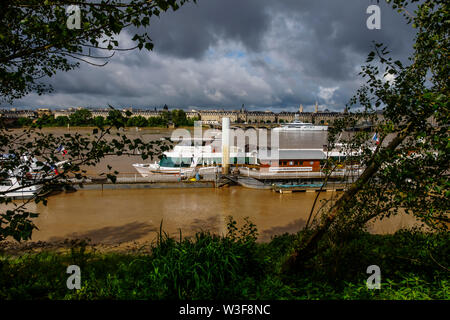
{"x": 289, "y": 160}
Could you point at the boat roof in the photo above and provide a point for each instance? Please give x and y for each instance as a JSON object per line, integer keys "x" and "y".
{"x": 294, "y": 154}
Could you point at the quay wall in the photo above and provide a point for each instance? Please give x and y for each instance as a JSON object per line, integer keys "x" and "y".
{"x": 162, "y": 185}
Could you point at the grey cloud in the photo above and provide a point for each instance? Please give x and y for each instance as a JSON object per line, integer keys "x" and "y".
{"x": 289, "y": 49}
{"x": 194, "y": 28}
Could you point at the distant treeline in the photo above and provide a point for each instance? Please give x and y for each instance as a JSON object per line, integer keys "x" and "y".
{"x": 83, "y": 117}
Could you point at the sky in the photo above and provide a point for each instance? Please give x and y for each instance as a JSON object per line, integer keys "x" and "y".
{"x": 219, "y": 54}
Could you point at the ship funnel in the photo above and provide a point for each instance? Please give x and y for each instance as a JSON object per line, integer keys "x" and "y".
{"x": 225, "y": 145}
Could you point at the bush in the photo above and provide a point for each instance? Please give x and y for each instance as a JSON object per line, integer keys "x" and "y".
{"x": 235, "y": 266}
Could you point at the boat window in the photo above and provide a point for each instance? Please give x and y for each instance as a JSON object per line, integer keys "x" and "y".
{"x": 175, "y": 162}
{"x": 5, "y": 183}
{"x": 291, "y": 163}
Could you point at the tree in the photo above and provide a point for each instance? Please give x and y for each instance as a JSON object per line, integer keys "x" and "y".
{"x": 46, "y": 120}
{"x": 35, "y": 39}
{"x": 137, "y": 121}
{"x": 36, "y": 42}
{"x": 80, "y": 117}
{"x": 116, "y": 118}
{"x": 179, "y": 118}
{"x": 157, "y": 122}
{"x": 99, "y": 121}
{"x": 191, "y": 121}
{"x": 166, "y": 116}
{"x": 140, "y": 121}
{"x": 32, "y": 147}
{"x": 409, "y": 169}
{"x": 61, "y": 121}
{"x": 24, "y": 122}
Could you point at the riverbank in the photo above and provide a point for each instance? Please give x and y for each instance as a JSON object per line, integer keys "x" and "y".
{"x": 413, "y": 266}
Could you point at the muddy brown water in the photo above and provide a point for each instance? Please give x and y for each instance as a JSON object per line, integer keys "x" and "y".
{"x": 134, "y": 215}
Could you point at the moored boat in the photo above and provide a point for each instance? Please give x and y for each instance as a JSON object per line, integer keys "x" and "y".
{"x": 297, "y": 125}
{"x": 187, "y": 160}
{"x": 12, "y": 187}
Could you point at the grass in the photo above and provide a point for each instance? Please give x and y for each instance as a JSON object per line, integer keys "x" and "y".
{"x": 413, "y": 266}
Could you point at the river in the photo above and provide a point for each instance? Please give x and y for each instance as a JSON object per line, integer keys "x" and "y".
{"x": 120, "y": 216}
{"x": 134, "y": 215}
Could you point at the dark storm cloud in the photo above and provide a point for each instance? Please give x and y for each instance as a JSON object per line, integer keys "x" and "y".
{"x": 193, "y": 29}
{"x": 222, "y": 53}
{"x": 328, "y": 29}
{"x": 336, "y": 31}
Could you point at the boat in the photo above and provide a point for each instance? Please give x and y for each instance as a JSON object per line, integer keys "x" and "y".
{"x": 188, "y": 160}
{"x": 298, "y": 125}
{"x": 12, "y": 187}
{"x": 292, "y": 160}
{"x": 25, "y": 180}
{"x": 250, "y": 183}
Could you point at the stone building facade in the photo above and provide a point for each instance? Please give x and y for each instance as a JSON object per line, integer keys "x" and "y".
{"x": 206, "y": 116}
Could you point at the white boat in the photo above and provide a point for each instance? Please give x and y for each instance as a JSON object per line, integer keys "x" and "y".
{"x": 187, "y": 160}
{"x": 12, "y": 187}
{"x": 297, "y": 125}
{"x": 23, "y": 181}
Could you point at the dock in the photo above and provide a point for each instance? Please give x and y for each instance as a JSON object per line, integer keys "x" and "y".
{"x": 308, "y": 188}
{"x": 281, "y": 183}
{"x": 248, "y": 182}
{"x": 154, "y": 181}
{"x": 285, "y": 187}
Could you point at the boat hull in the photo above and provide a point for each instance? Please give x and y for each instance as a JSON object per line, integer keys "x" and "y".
{"x": 313, "y": 128}
{"x": 146, "y": 170}
{"x": 22, "y": 193}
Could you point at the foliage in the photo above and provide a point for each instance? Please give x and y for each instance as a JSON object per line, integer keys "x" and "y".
{"x": 157, "y": 122}
{"x": 80, "y": 117}
{"x": 36, "y": 42}
{"x": 83, "y": 117}
{"x": 138, "y": 121}
{"x": 35, "y": 154}
{"x": 413, "y": 175}
{"x": 409, "y": 106}
{"x": 237, "y": 267}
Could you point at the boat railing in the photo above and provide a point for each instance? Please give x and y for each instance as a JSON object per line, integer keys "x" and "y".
{"x": 308, "y": 174}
